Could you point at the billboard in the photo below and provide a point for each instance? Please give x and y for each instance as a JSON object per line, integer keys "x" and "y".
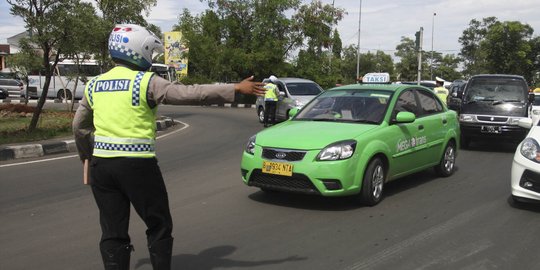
{"x": 175, "y": 52}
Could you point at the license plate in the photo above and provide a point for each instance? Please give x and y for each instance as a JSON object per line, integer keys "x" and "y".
{"x": 491, "y": 129}
{"x": 278, "y": 168}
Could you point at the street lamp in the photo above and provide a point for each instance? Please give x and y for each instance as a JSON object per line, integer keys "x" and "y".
{"x": 432, "y": 31}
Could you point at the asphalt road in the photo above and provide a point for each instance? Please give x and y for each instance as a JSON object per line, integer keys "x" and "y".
{"x": 49, "y": 219}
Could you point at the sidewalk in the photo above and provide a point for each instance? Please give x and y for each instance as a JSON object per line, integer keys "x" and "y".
{"x": 56, "y": 146}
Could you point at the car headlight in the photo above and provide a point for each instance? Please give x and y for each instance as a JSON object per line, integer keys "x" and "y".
{"x": 337, "y": 151}
{"x": 514, "y": 120}
{"x": 250, "y": 146}
{"x": 530, "y": 149}
{"x": 299, "y": 104}
{"x": 466, "y": 118}
{"x": 536, "y": 112}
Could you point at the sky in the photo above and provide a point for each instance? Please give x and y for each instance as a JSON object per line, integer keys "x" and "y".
{"x": 381, "y": 23}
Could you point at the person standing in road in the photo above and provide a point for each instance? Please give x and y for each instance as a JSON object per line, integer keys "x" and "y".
{"x": 270, "y": 101}
{"x": 115, "y": 128}
{"x": 440, "y": 90}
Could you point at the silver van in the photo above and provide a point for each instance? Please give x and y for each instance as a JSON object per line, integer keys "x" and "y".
{"x": 293, "y": 93}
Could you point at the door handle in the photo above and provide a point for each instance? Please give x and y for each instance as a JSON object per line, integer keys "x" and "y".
{"x": 421, "y": 127}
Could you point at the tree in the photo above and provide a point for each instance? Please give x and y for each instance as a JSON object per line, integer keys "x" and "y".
{"x": 473, "y": 59}
{"x": 506, "y": 47}
{"x": 48, "y": 22}
{"x": 407, "y": 68}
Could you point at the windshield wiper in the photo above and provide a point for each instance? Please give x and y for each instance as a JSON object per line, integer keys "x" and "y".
{"x": 325, "y": 119}
{"x": 506, "y": 100}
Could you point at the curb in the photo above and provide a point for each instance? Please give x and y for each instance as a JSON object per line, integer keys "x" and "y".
{"x": 34, "y": 101}
{"x": 57, "y": 147}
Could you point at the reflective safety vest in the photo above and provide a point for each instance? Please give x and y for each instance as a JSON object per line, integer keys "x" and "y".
{"x": 442, "y": 93}
{"x": 270, "y": 93}
{"x": 125, "y": 124}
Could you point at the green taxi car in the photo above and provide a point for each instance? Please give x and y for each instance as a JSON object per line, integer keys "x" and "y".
{"x": 353, "y": 139}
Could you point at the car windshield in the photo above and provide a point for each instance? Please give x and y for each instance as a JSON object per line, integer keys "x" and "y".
{"x": 361, "y": 106}
{"x": 496, "y": 89}
{"x": 303, "y": 89}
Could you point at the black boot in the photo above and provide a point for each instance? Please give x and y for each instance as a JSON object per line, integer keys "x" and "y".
{"x": 160, "y": 254}
{"x": 116, "y": 258}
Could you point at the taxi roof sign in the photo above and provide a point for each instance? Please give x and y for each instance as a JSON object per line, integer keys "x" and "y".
{"x": 376, "y": 78}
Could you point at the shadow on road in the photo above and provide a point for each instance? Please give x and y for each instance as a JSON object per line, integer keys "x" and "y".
{"x": 214, "y": 257}
{"x": 529, "y": 205}
{"x": 492, "y": 146}
{"x": 319, "y": 203}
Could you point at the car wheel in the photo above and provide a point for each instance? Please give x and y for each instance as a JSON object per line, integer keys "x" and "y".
{"x": 61, "y": 95}
{"x": 373, "y": 183}
{"x": 447, "y": 164}
{"x": 261, "y": 115}
{"x": 464, "y": 142}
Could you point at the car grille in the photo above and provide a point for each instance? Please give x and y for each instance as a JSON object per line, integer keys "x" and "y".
{"x": 281, "y": 154}
{"x": 498, "y": 119}
{"x": 296, "y": 183}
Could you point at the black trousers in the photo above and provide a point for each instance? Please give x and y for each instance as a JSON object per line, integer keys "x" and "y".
{"x": 117, "y": 182}
{"x": 270, "y": 112}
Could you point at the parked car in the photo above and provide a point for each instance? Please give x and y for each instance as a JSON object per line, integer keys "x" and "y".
{"x": 352, "y": 140}
{"x": 525, "y": 176}
{"x": 4, "y": 93}
{"x": 455, "y": 92}
{"x": 293, "y": 93}
{"x": 492, "y": 105}
{"x": 14, "y": 87}
{"x": 534, "y": 111}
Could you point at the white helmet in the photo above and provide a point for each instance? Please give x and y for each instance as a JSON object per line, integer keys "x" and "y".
{"x": 273, "y": 78}
{"x": 133, "y": 45}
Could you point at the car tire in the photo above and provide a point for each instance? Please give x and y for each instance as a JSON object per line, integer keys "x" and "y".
{"x": 260, "y": 113}
{"x": 60, "y": 94}
{"x": 446, "y": 166}
{"x": 373, "y": 183}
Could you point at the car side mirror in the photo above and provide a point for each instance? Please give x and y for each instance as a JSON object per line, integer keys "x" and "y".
{"x": 525, "y": 123}
{"x": 405, "y": 117}
{"x": 281, "y": 93}
{"x": 293, "y": 112}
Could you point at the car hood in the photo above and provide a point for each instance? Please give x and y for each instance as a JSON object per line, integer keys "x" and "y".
{"x": 487, "y": 108}
{"x": 309, "y": 135}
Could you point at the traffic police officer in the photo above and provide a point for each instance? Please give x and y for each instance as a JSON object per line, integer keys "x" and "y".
{"x": 115, "y": 128}
{"x": 270, "y": 101}
{"x": 440, "y": 90}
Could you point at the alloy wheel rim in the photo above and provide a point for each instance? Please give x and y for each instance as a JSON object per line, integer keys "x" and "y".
{"x": 377, "y": 181}
{"x": 449, "y": 159}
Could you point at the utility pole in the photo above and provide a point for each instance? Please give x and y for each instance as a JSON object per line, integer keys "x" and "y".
{"x": 432, "y": 32}
{"x": 358, "y": 52}
{"x": 419, "y": 38}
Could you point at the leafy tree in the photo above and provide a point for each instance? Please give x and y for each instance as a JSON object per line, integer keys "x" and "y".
{"x": 506, "y": 48}
{"x": 407, "y": 68}
{"x": 472, "y": 55}
{"x": 445, "y": 66}
{"x": 49, "y": 22}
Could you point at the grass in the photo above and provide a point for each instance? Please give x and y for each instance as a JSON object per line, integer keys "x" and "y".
{"x": 15, "y": 119}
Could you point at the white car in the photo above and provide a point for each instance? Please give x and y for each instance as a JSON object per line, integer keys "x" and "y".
{"x": 525, "y": 177}
{"x": 534, "y": 112}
